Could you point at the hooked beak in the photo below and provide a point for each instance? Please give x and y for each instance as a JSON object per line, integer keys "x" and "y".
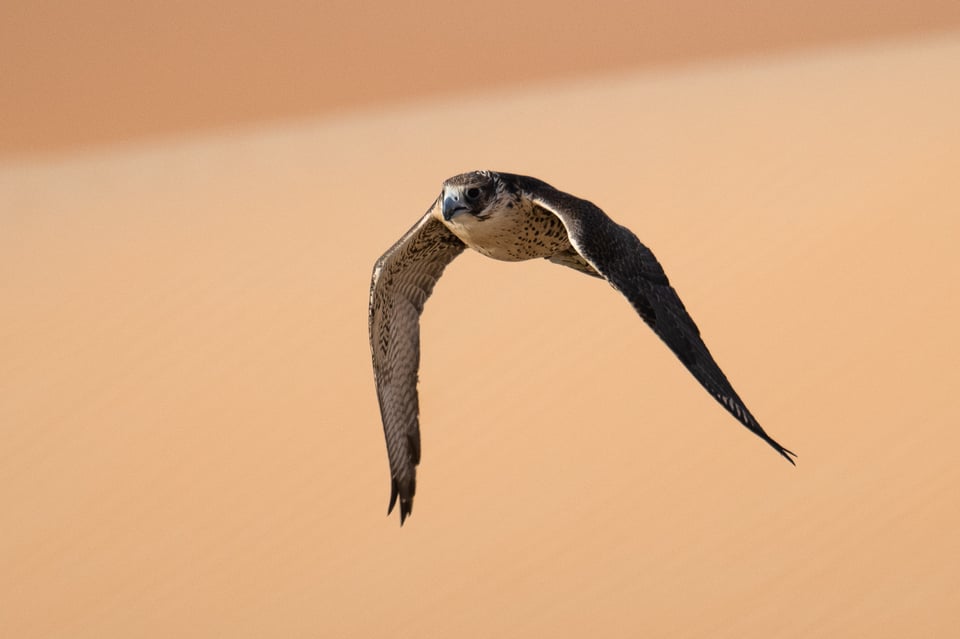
{"x": 453, "y": 204}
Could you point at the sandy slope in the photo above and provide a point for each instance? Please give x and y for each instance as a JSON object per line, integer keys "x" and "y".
{"x": 78, "y": 74}
{"x": 190, "y": 442}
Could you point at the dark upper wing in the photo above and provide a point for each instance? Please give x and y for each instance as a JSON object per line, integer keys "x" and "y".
{"x": 616, "y": 253}
{"x": 403, "y": 279}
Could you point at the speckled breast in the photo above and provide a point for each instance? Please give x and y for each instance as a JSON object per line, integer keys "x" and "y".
{"x": 512, "y": 234}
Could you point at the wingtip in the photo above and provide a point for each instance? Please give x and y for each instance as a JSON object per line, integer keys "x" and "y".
{"x": 789, "y": 455}
{"x": 786, "y": 453}
{"x": 406, "y": 503}
{"x": 393, "y": 496}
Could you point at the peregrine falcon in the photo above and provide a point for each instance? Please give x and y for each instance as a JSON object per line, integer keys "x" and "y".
{"x": 512, "y": 218}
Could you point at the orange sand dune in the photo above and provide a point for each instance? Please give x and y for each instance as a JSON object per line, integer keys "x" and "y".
{"x": 105, "y": 71}
{"x": 189, "y": 439}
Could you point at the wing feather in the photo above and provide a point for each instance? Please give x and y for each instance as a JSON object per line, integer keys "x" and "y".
{"x": 631, "y": 268}
{"x": 403, "y": 278}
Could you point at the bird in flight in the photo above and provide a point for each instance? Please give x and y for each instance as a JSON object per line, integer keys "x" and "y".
{"x": 512, "y": 218}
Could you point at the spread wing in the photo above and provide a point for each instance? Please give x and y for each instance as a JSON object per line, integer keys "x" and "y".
{"x": 631, "y": 268}
{"x": 403, "y": 279}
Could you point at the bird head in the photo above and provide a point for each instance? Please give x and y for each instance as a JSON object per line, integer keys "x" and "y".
{"x": 470, "y": 193}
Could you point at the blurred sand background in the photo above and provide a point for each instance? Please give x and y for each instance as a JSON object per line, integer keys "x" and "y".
{"x": 190, "y": 205}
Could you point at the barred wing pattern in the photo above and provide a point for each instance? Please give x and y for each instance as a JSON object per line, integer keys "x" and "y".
{"x": 403, "y": 278}
{"x": 631, "y": 268}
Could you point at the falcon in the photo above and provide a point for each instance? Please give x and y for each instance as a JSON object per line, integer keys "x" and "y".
{"x": 513, "y": 218}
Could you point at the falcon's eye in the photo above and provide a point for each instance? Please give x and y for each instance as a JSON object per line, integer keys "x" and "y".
{"x": 472, "y": 193}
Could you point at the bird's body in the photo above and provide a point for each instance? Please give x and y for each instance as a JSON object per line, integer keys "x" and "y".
{"x": 514, "y": 230}
{"x": 512, "y": 218}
